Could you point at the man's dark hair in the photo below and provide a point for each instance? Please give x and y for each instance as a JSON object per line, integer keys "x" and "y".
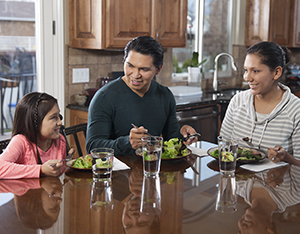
{"x": 147, "y": 46}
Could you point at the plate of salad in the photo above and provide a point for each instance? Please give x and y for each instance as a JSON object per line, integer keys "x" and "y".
{"x": 244, "y": 155}
{"x": 83, "y": 163}
{"x": 172, "y": 149}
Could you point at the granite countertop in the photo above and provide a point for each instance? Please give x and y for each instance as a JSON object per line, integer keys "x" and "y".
{"x": 207, "y": 98}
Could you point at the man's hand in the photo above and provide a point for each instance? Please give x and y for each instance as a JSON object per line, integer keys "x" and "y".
{"x": 136, "y": 135}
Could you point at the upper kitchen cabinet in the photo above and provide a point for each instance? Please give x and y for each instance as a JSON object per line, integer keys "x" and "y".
{"x": 111, "y": 24}
{"x": 272, "y": 20}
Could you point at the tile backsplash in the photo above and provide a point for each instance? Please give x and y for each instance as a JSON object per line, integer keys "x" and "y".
{"x": 102, "y": 63}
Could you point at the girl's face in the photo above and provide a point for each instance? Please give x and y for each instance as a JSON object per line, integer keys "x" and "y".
{"x": 258, "y": 76}
{"x": 139, "y": 71}
{"x": 51, "y": 123}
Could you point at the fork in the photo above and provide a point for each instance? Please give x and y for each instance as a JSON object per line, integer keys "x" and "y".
{"x": 146, "y": 133}
{"x": 68, "y": 158}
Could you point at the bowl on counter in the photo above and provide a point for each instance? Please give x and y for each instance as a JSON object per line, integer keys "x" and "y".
{"x": 80, "y": 99}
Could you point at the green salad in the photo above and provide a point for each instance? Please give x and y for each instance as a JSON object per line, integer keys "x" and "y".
{"x": 174, "y": 148}
{"x": 242, "y": 154}
{"x": 83, "y": 162}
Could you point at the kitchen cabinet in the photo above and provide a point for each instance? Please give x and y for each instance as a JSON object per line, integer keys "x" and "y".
{"x": 111, "y": 24}
{"x": 272, "y": 20}
{"x": 78, "y": 117}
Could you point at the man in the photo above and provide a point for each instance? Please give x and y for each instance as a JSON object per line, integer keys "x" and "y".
{"x": 136, "y": 98}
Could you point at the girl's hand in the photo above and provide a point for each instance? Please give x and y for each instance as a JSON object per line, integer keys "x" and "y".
{"x": 47, "y": 169}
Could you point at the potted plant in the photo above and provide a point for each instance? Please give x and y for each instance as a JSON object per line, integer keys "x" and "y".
{"x": 195, "y": 70}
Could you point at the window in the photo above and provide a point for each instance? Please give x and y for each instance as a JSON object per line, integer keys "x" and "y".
{"x": 209, "y": 26}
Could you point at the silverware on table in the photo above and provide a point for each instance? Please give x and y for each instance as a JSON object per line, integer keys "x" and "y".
{"x": 192, "y": 166}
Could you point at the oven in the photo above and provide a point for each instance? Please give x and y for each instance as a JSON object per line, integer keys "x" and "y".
{"x": 205, "y": 119}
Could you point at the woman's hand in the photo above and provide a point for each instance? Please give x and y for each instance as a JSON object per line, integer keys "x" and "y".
{"x": 188, "y": 130}
{"x": 278, "y": 154}
{"x": 135, "y": 137}
{"x": 47, "y": 169}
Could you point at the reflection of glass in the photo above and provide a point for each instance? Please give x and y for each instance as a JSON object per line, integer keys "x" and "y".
{"x": 151, "y": 199}
{"x": 101, "y": 195}
{"x": 152, "y": 149}
{"x": 226, "y": 200}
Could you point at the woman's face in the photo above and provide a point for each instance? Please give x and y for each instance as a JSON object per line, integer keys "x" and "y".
{"x": 139, "y": 71}
{"x": 258, "y": 76}
{"x": 51, "y": 123}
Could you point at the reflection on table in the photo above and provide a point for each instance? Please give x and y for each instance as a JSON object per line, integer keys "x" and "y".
{"x": 178, "y": 201}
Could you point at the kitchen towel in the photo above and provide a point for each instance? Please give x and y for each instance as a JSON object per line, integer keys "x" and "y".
{"x": 118, "y": 165}
{"x": 265, "y": 164}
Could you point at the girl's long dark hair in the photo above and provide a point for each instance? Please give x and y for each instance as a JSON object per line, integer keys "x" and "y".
{"x": 30, "y": 112}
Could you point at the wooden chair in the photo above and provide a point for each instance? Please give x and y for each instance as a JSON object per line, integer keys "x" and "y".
{"x": 3, "y": 145}
{"x": 75, "y": 131}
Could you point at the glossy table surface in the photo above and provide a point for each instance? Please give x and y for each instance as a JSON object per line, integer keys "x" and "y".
{"x": 185, "y": 201}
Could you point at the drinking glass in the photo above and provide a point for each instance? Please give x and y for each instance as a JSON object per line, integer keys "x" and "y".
{"x": 102, "y": 161}
{"x": 227, "y": 154}
{"x": 227, "y": 199}
{"x": 151, "y": 150}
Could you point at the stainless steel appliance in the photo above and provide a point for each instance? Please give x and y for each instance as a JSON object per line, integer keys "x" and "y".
{"x": 204, "y": 118}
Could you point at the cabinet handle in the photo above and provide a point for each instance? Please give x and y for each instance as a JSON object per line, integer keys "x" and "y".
{"x": 298, "y": 36}
{"x": 156, "y": 33}
{"x": 185, "y": 35}
{"x": 195, "y": 118}
{"x": 274, "y": 36}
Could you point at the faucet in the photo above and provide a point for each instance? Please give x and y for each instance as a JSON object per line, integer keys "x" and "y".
{"x": 215, "y": 80}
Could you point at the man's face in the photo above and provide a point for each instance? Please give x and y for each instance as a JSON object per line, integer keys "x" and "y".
{"x": 139, "y": 71}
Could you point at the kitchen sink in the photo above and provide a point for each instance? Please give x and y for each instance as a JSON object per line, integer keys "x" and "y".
{"x": 185, "y": 91}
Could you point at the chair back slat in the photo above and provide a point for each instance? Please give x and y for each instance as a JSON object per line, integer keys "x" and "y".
{"x": 74, "y": 131}
{"x": 3, "y": 145}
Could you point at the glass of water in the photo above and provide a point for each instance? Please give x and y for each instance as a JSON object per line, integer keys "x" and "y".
{"x": 151, "y": 150}
{"x": 102, "y": 161}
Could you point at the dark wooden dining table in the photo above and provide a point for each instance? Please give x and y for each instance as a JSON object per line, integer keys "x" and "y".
{"x": 267, "y": 200}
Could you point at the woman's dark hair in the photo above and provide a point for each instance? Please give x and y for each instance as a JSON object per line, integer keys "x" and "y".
{"x": 147, "y": 46}
{"x": 271, "y": 54}
{"x": 30, "y": 112}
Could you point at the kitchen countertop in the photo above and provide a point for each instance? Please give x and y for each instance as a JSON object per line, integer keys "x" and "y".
{"x": 207, "y": 98}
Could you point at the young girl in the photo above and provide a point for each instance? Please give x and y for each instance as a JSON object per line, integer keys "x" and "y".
{"x": 36, "y": 142}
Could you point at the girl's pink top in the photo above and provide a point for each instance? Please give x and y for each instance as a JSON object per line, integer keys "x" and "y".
{"x": 19, "y": 159}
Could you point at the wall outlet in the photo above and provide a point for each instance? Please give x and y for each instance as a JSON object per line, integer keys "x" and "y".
{"x": 81, "y": 75}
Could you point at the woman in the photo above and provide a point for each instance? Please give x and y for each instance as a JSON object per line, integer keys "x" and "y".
{"x": 267, "y": 113}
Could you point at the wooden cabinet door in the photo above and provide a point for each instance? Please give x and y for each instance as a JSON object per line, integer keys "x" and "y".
{"x": 280, "y": 11}
{"x": 295, "y": 18}
{"x": 267, "y": 20}
{"x": 85, "y": 24}
{"x": 127, "y": 19}
{"x": 170, "y": 22}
